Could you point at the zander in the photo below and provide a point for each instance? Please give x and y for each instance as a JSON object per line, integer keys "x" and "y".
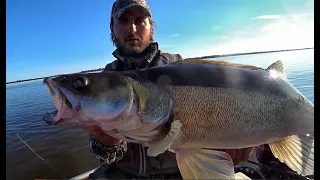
{"x": 190, "y": 108}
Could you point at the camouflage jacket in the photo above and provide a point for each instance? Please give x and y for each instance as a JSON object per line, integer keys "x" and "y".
{"x": 129, "y": 159}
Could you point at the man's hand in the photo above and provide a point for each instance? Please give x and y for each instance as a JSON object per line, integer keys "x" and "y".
{"x": 105, "y": 138}
{"x": 239, "y": 155}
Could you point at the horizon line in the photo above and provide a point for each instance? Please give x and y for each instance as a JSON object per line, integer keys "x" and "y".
{"x": 202, "y": 57}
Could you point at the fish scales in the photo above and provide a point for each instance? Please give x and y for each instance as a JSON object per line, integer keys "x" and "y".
{"x": 264, "y": 102}
{"x": 214, "y": 127}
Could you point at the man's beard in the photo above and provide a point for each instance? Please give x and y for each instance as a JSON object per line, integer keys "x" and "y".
{"x": 127, "y": 49}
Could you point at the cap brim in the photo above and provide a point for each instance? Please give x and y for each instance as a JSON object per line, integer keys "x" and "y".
{"x": 120, "y": 13}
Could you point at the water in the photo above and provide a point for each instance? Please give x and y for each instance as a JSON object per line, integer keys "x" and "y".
{"x": 66, "y": 149}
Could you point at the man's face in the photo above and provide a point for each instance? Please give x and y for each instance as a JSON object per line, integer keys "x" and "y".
{"x": 132, "y": 31}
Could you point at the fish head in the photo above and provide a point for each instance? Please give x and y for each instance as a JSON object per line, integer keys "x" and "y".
{"x": 85, "y": 99}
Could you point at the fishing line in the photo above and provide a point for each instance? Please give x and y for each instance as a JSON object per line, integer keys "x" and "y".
{"x": 39, "y": 156}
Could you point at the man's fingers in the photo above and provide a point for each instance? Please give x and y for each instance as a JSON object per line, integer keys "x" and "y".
{"x": 246, "y": 154}
{"x": 96, "y": 134}
{"x": 231, "y": 152}
{"x": 238, "y": 156}
{"x": 106, "y": 139}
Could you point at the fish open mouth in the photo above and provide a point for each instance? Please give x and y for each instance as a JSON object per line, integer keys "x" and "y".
{"x": 50, "y": 117}
{"x": 63, "y": 105}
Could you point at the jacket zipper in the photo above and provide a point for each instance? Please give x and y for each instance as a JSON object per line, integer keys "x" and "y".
{"x": 144, "y": 161}
{"x": 140, "y": 157}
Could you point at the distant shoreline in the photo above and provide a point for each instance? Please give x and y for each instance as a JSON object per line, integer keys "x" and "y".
{"x": 25, "y": 80}
{"x": 203, "y": 57}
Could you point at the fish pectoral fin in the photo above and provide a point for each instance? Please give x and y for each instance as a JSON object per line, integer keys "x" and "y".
{"x": 204, "y": 164}
{"x": 279, "y": 67}
{"x": 297, "y": 152}
{"x": 240, "y": 175}
{"x": 164, "y": 144}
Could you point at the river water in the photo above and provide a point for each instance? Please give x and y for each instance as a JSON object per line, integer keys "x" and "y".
{"x": 65, "y": 150}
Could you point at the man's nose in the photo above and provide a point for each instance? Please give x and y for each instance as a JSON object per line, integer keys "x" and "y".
{"x": 132, "y": 28}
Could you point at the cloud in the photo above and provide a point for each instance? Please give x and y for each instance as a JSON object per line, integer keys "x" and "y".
{"x": 302, "y": 15}
{"x": 174, "y": 35}
{"x": 268, "y": 17}
{"x": 276, "y": 17}
{"x": 222, "y": 37}
{"x": 287, "y": 32}
{"x": 236, "y": 32}
{"x": 215, "y": 27}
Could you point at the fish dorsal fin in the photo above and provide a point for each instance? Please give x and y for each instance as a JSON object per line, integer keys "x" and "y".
{"x": 278, "y": 67}
{"x": 219, "y": 63}
{"x": 240, "y": 175}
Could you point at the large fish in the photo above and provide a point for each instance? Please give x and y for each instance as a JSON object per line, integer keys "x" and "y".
{"x": 190, "y": 108}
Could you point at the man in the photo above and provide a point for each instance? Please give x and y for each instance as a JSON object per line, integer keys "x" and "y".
{"x": 132, "y": 30}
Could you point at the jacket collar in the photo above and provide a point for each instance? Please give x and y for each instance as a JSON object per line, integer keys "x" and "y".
{"x": 143, "y": 58}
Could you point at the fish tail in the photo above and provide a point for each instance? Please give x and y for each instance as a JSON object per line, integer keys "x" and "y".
{"x": 297, "y": 152}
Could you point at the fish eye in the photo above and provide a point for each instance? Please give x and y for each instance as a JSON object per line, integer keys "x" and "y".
{"x": 80, "y": 82}
{"x": 63, "y": 78}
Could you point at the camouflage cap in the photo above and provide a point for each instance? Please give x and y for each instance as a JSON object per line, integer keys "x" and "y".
{"x": 121, "y": 6}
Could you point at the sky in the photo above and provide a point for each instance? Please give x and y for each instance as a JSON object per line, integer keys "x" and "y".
{"x": 49, "y": 37}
